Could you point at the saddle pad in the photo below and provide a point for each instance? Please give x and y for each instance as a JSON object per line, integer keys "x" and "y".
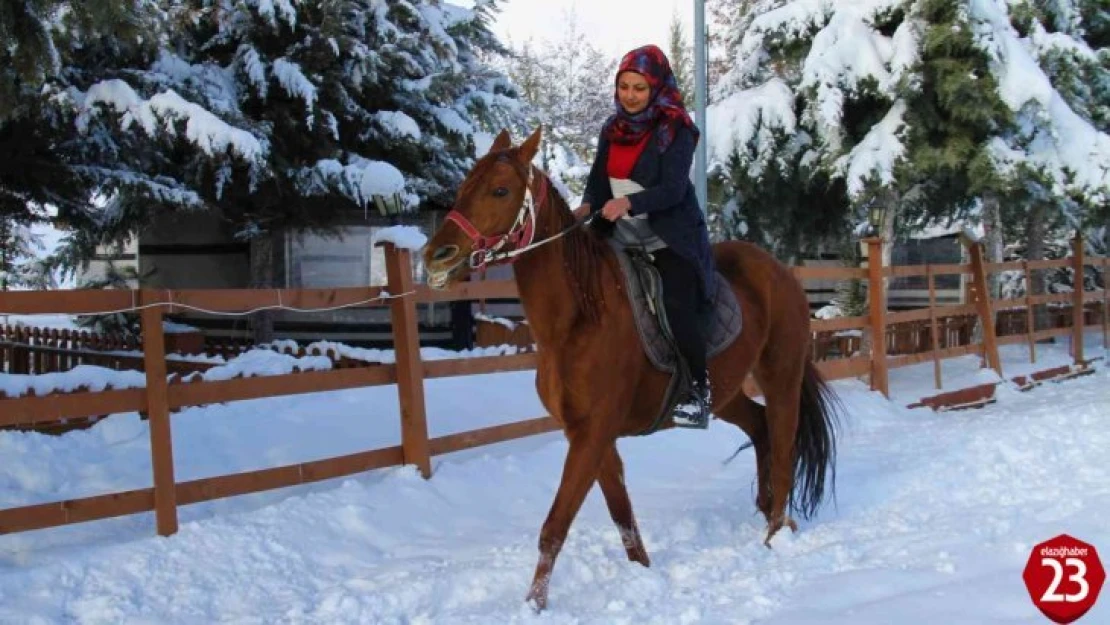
{"x": 724, "y": 328}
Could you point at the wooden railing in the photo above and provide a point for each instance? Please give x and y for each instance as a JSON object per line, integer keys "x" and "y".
{"x": 162, "y": 396}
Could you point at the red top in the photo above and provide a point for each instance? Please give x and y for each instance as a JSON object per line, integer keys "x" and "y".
{"x": 622, "y": 158}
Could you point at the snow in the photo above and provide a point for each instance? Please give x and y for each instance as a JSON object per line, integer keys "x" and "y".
{"x": 934, "y": 519}
{"x": 254, "y": 68}
{"x": 404, "y": 237}
{"x": 1068, "y": 148}
{"x": 830, "y": 51}
{"x": 270, "y": 9}
{"x": 844, "y": 52}
{"x": 453, "y": 121}
{"x": 259, "y": 362}
{"x": 397, "y": 124}
{"x": 172, "y": 327}
{"x": 295, "y": 83}
{"x": 81, "y": 377}
{"x": 501, "y": 321}
{"x": 361, "y": 179}
{"x": 251, "y": 363}
{"x": 756, "y": 115}
{"x": 876, "y": 155}
{"x": 60, "y": 322}
{"x": 205, "y": 130}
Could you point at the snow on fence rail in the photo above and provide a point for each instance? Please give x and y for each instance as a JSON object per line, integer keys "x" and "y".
{"x": 161, "y": 395}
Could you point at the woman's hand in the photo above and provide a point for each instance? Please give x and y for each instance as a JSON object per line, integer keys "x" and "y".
{"x": 581, "y": 211}
{"x": 616, "y": 208}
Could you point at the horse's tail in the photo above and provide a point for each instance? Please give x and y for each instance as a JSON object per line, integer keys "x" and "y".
{"x": 814, "y": 444}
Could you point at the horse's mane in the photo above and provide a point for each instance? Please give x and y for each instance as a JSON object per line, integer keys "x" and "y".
{"x": 585, "y": 256}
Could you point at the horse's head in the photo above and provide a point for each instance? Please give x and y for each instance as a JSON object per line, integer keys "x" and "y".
{"x": 492, "y": 211}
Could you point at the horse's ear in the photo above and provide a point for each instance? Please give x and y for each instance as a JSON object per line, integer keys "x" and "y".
{"x": 531, "y": 146}
{"x": 502, "y": 142}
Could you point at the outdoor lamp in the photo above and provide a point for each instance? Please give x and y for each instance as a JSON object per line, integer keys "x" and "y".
{"x": 389, "y": 205}
{"x": 875, "y": 214}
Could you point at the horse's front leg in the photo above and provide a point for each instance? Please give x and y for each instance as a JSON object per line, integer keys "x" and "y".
{"x": 579, "y": 472}
{"x": 611, "y": 480}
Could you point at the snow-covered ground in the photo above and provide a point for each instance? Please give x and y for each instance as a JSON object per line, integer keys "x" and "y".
{"x": 933, "y": 521}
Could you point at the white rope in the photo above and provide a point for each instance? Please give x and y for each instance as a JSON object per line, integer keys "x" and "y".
{"x": 174, "y": 304}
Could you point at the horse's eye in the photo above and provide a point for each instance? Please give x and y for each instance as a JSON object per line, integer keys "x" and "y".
{"x": 500, "y": 192}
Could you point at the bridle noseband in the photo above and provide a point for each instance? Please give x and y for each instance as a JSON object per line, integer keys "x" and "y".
{"x": 506, "y": 248}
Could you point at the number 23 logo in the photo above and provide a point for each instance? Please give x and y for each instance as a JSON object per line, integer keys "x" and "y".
{"x": 1079, "y": 577}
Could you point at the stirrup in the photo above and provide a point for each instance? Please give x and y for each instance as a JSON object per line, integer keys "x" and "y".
{"x": 693, "y": 410}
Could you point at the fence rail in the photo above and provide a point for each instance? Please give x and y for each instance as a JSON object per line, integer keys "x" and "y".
{"x": 893, "y": 340}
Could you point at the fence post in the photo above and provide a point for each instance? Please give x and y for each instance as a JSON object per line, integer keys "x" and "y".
{"x": 410, "y": 370}
{"x": 1079, "y": 293}
{"x": 934, "y": 340}
{"x": 983, "y": 304}
{"x": 877, "y": 296}
{"x": 1105, "y": 302}
{"x": 1030, "y": 320}
{"x": 158, "y": 413}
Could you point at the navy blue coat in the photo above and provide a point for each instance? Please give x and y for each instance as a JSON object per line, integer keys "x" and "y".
{"x": 668, "y": 198}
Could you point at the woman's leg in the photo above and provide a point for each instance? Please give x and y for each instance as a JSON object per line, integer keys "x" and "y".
{"x": 685, "y": 304}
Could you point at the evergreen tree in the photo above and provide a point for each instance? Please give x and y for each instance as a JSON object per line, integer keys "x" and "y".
{"x": 44, "y": 44}
{"x": 568, "y": 87}
{"x": 20, "y": 265}
{"x": 284, "y": 116}
{"x": 933, "y": 109}
{"x": 681, "y": 55}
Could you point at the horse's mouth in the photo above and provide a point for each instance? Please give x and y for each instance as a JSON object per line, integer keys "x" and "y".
{"x": 442, "y": 278}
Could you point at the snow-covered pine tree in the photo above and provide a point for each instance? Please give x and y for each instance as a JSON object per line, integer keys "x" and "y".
{"x": 20, "y": 264}
{"x": 811, "y": 117}
{"x": 39, "y": 38}
{"x": 46, "y": 46}
{"x": 309, "y": 101}
{"x": 285, "y": 114}
{"x": 906, "y": 102}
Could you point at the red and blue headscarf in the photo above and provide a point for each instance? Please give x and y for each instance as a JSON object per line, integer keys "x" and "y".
{"x": 665, "y": 112}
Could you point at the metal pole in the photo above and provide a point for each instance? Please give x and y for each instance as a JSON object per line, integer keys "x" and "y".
{"x": 700, "y": 64}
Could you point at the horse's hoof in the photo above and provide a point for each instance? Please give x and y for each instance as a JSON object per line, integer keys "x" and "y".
{"x": 773, "y": 528}
{"x": 640, "y": 557}
{"x": 537, "y": 598}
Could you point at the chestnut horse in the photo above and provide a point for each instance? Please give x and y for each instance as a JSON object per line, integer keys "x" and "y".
{"x": 593, "y": 375}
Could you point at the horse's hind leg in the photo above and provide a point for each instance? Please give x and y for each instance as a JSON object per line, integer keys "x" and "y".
{"x": 611, "y": 480}
{"x": 751, "y": 417}
{"x": 782, "y": 387}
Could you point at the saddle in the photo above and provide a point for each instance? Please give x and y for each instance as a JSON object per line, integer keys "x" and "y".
{"x": 645, "y": 292}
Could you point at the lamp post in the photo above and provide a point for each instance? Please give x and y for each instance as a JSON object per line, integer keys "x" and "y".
{"x": 700, "y": 97}
{"x": 875, "y": 214}
{"x": 391, "y": 206}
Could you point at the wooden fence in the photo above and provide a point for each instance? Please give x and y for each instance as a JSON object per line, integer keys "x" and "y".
{"x": 161, "y": 396}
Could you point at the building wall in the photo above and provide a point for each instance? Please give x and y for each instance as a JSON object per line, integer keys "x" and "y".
{"x": 199, "y": 251}
{"x": 192, "y": 250}
{"x": 125, "y": 260}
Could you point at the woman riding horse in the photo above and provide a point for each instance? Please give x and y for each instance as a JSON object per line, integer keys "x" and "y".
{"x": 640, "y": 183}
{"x": 592, "y": 373}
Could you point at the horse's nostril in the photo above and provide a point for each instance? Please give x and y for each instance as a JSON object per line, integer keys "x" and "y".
{"x": 445, "y": 253}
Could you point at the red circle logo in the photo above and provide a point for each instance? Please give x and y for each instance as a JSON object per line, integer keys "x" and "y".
{"x": 1064, "y": 576}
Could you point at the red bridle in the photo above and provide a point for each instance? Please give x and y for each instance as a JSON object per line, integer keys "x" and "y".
{"x": 491, "y": 249}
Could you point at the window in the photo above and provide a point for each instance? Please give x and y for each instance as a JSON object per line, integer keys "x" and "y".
{"x": 346, "y": 260}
